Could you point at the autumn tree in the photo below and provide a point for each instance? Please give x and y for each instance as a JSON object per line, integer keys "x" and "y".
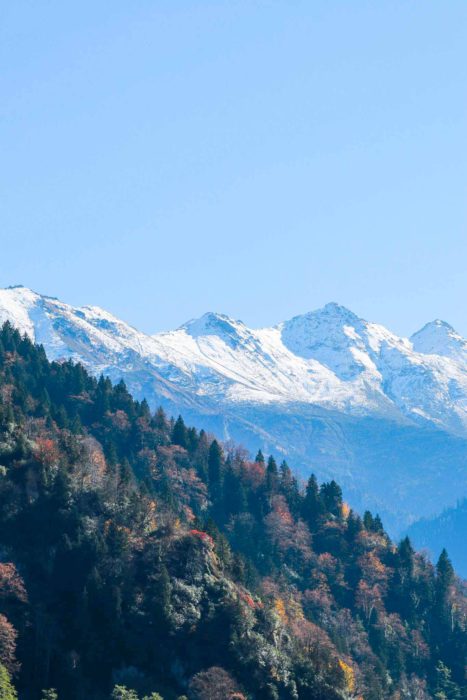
{"x": 213, "y": 684}
{"x": 7, "y": 689}
{"x": 8, "y": 636}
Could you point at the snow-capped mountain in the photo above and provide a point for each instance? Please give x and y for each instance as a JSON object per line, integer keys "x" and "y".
{"x": 321, "y": 388}
{"x": 330, "y": 358}
{"x": 439, "y": 338}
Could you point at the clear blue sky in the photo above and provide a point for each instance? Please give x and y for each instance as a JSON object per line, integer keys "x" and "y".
{"x": 162, "y": 158}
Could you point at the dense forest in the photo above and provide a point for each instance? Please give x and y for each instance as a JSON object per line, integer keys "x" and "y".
{"x": 139, "y": 558}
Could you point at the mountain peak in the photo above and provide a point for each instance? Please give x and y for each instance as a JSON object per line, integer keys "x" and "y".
{"x": 208, "y": 323}
{"x": 215, "y": 324}
{"x": 328, "y": 319}
{"x": 20, "y": 290}
{"x": 439, "y": 324}
{"x": 439, "y": 338}
{"x": 336, "y": 310}
{"x": 329, "y": 335}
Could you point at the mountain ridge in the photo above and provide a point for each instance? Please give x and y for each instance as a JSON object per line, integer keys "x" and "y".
{"x": 329, "y": 357}
{"x": 328, "y": 376}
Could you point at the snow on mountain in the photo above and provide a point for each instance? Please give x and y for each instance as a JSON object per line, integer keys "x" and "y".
{"x": 439, "y": 338}
{"x": 328, "y": 389}
{"x": 329, "y": 357}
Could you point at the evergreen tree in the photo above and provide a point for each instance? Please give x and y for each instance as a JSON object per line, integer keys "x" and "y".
{"x": 444, "y": 574}
{"x": 192, "y": 439}
{"x": 102, "y": 398}
{"x": 289, "y": 488}
{"x": 368, "y": 521}
{"x": 160, "y": 424}
{"x": 444, "y": 581}
{"x": 272, "y": 476}
{"x": 378, "y": 524}
{"x": 215, "y": 459}
{"x": 179, "y": 433}
{"x": 312, "y": 507}
{"x": 354, "y": 526}
{"x": 144, "y": 410}
{"x": 377, "y": 638}
{"x": 160, "y": 600}
{"x": 259, "y": 457}
{"x": 234, "y": 497}
{"x": 406, "y": 553}
{"x": 331, "y": 495}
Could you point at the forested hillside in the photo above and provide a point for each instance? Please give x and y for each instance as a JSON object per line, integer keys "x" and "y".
{"x": 140, "y": 558}
{"x": 328, "y": 391}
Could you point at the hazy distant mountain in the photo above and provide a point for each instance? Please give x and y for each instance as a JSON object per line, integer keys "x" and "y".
{"x": 386, "y": 415}
{"x": 445, "y": 530}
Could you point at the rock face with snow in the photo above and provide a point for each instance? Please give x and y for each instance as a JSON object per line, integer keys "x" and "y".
{"x": 439, "y": 338}
{"x": 387, "y": 416}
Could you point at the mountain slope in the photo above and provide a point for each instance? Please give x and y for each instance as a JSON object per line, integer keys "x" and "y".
{"x": 329, "y": 357}
{"x": 360, "y": 402}
{"x": 439, "y": 338}
{"x": 137, "y": 552}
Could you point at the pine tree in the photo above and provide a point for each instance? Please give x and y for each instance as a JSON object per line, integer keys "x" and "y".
{"x": 101, "y": 401}
{"x": 331, "y": 495}
{"x": 376, "y": 637}
{"x": 444, "y": 580}
{"x": 179, "y": 433}
{"x": 312, "y": 508}
{"x": 402, "y": 592}
{"x": 160, "y": 603}
{"x": 215, "y": 468}
{"x": 368, "y": 521}
{"x": 192, "y": 440}
{"x": 378, "y": 524}
{"x": 444, "y": 573}
{"x": 144, "y": 410}
{"x": 406, "y": 553}
{"x": 272, "y": 476}
{"x": 234, "y": 497}
{"x": 289, "y": 488}
{"x": 160, "y": 423}
{"x": 354, "y": 526}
